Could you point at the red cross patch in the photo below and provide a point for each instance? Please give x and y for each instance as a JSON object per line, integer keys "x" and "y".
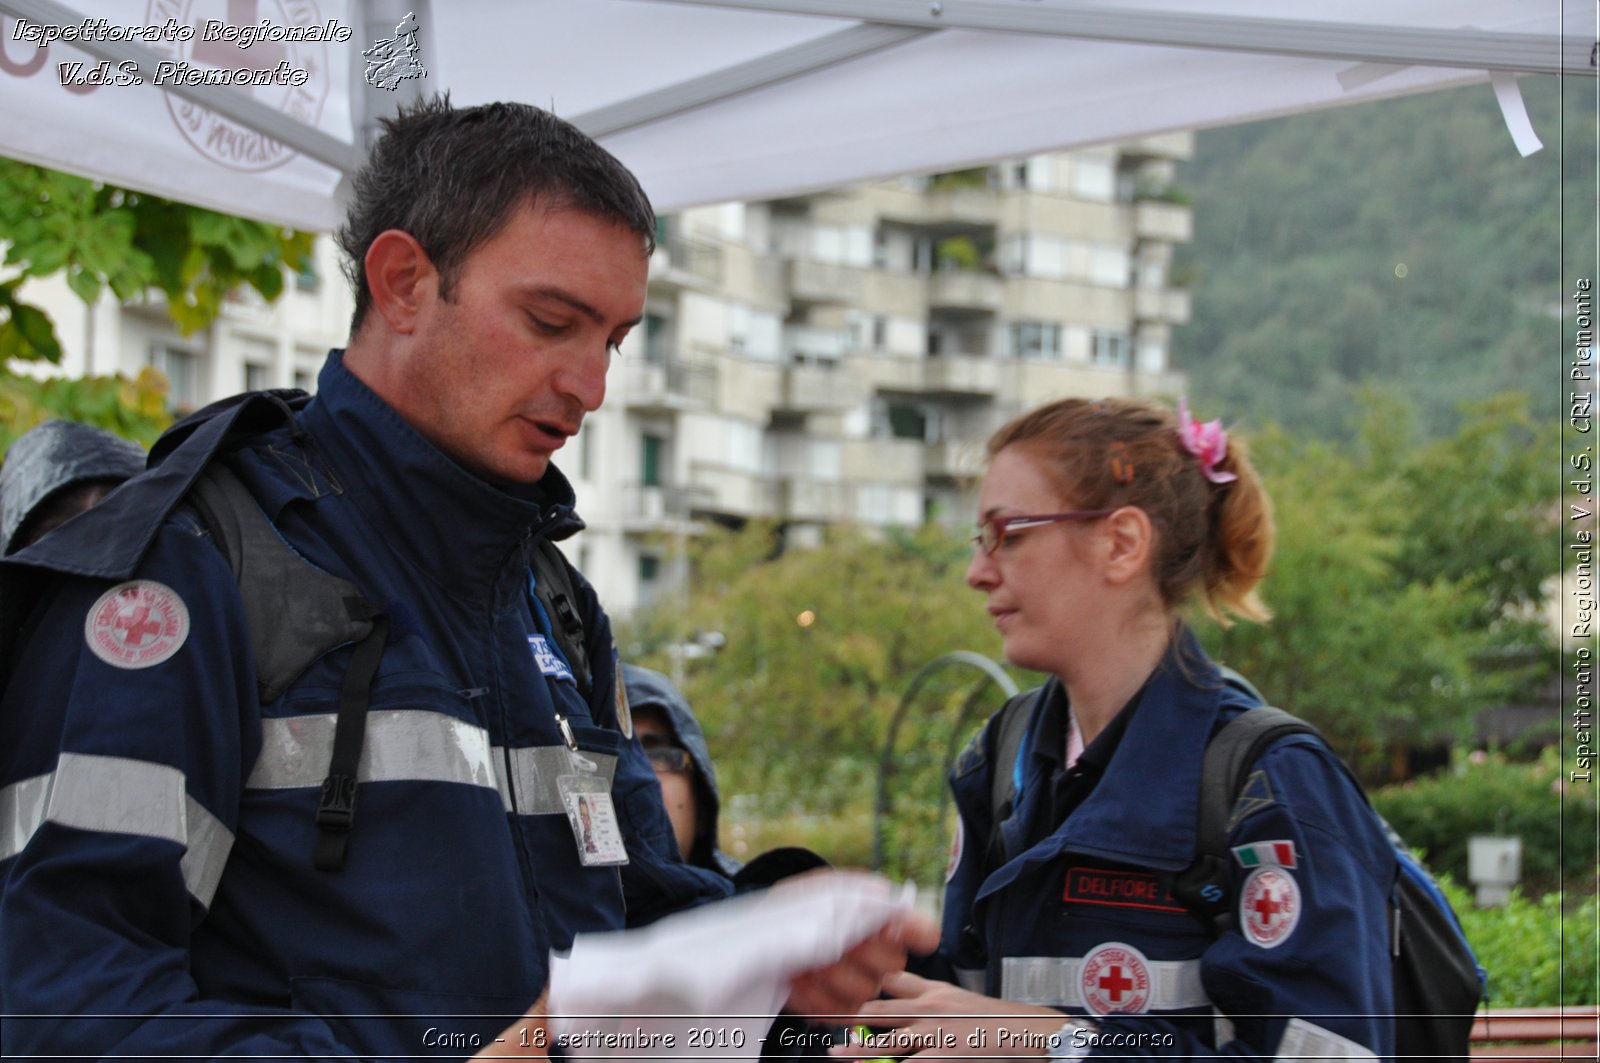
{"x": 136, "y": 624}
{"x": 1116, "y": 979}
{"x": 1269, "y": 907}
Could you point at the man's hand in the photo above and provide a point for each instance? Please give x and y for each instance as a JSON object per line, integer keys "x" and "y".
{"x": 840, "y": 989}
{"x": 936, "y": 1020}
{"x": 527, "y": 1038}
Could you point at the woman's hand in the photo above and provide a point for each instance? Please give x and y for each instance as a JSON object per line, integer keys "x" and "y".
{"x": 937, "y": 1020}
{"x": 837, "y": 990}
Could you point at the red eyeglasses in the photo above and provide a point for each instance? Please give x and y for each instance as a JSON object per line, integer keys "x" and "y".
{"x": 995, "y": 530}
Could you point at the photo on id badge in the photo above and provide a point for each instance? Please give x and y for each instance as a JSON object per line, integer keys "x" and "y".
{"x": 594, "y": 820}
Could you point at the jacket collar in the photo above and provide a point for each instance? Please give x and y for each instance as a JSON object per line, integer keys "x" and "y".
{"x": 1121, "y": 820}
{"x": 450, "y": 523}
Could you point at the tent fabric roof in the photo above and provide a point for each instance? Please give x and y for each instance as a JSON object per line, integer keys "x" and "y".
{"x": 715, "y": 100}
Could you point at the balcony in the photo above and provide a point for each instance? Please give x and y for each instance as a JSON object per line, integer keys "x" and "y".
{"x": 818, "y": 501}
{"x": 668, "y": 387}
{"x": 961, "y": 374}
{"x": 887, "y": 372}
{"x": 660, "y": 507}
{"x": 1174, "y": 146}
{"x": 734, "y": 492}
{"x": 1171, "y": 223}
{"x": 965, "y": 290}
{"x": 882, "y": 461}
{"x": 952, "y": 459}
{"x": 825, "y": 282}
{"x": 1168, "y": 305}
{"x": 809, "y": 388}
{"x": 687, "y": 263}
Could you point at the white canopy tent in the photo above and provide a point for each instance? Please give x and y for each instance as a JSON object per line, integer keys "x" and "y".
{"x": 715, "y": 100}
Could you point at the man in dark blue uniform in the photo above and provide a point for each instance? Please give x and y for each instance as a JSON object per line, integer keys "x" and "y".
{"x": 183, "y": 871}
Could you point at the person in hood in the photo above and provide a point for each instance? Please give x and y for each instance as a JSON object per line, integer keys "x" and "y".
{"x": 671, "y": 736}
{"x": 56, "y": 471}
{"x": 676, "y": 746}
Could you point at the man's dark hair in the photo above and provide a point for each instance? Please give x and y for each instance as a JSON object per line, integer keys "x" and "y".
{"x": 452, "y": 177}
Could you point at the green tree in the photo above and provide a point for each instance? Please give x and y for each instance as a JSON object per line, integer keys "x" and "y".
{"x": 102, "y": 237}
{"x": 820, "y": 645}
{"x": 1407, "y": 581}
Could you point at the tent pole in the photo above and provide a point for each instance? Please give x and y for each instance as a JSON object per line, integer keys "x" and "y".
{"x": 1518, "y": 53}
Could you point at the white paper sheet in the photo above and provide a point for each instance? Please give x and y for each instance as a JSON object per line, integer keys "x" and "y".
{"x": 707, "y": 983}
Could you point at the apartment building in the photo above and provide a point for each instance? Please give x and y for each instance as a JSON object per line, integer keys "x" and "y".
{"x": 828, "y": 358}
{"x": 842, "y": 357}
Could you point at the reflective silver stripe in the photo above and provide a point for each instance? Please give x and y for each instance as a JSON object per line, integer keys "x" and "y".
{"x": 972, "y": 979}
{"x": 533, "y": 773}
{"x": 416, "y": 745}
{"x": 1306, "y": 1042}
{"x": 207, "y": 854}
{"x": 1221, "y": 1029}
{"x": 1056, "y": 981}
{"x": 21, "y": 812}
{"x": 400, "y": 745}
{"x": 118, "y": 795}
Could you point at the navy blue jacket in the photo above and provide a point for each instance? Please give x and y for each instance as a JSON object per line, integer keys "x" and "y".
{"x": 1079, "y": 916}
{"x": 156, "y": 822}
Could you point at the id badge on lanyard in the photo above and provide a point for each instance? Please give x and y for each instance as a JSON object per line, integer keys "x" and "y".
{"x": 586, "y": 796}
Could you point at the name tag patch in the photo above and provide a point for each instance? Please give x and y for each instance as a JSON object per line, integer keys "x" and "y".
{"x": 1119, "y": 889}
{"x": 548, "y": 660}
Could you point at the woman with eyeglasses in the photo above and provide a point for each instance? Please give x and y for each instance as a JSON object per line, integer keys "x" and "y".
{"x": 1098, "y": 523}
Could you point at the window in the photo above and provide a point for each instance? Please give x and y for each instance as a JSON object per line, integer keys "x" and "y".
{"x": 1093, "y": 179}
{"x": 649, "y": 569}
{"x": 898, "y": 420}
{"x": 307, "y": 280}
{"x": 1110, "y": 266}
{"x": 651, "y": 453}
{"x": 1036, "y": 339}
{"x": 880, "y": 332}
{"x": 585, "y": 453}
{"x": 182, "y": 370}
{"x": 1152, "y": 357}
{"x": 738, "y": 327}
{"x": 257, "y": 377}
{"x": 1110, "y": 348}
{"x": 655, "y": 339}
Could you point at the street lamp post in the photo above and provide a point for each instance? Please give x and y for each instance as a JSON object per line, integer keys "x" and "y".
{"x": 989, "y": 674}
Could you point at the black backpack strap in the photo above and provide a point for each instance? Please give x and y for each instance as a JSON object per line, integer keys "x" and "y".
{"x": 1010, "y": 727}
{"x": 1225, "y": 775}
{"x": 336, "y": 811}
{"x": 554, "y": 586}
{"x": 275, "y": 582}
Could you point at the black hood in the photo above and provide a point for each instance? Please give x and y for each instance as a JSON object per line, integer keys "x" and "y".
{"x": 57, "y": 455}
{"x": 645, "y": 687}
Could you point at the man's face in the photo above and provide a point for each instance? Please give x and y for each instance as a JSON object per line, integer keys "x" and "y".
{"x": 501, "y": 374}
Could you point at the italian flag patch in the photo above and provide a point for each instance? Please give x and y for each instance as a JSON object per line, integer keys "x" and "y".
{"x": 1265, "y": 854}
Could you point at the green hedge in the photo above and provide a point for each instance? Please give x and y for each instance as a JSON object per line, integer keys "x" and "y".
{"x": 1538, "y": 953}
{"x": 1483, "y": 794}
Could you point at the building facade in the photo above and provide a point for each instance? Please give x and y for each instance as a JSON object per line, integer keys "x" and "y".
{"x": 823, "y": 359}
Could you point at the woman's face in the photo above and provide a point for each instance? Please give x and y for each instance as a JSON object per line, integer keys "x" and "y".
{"x": 1040, "y": 582}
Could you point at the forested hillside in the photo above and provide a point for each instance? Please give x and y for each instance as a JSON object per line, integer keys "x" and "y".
{"x": 1403, "y": 244}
